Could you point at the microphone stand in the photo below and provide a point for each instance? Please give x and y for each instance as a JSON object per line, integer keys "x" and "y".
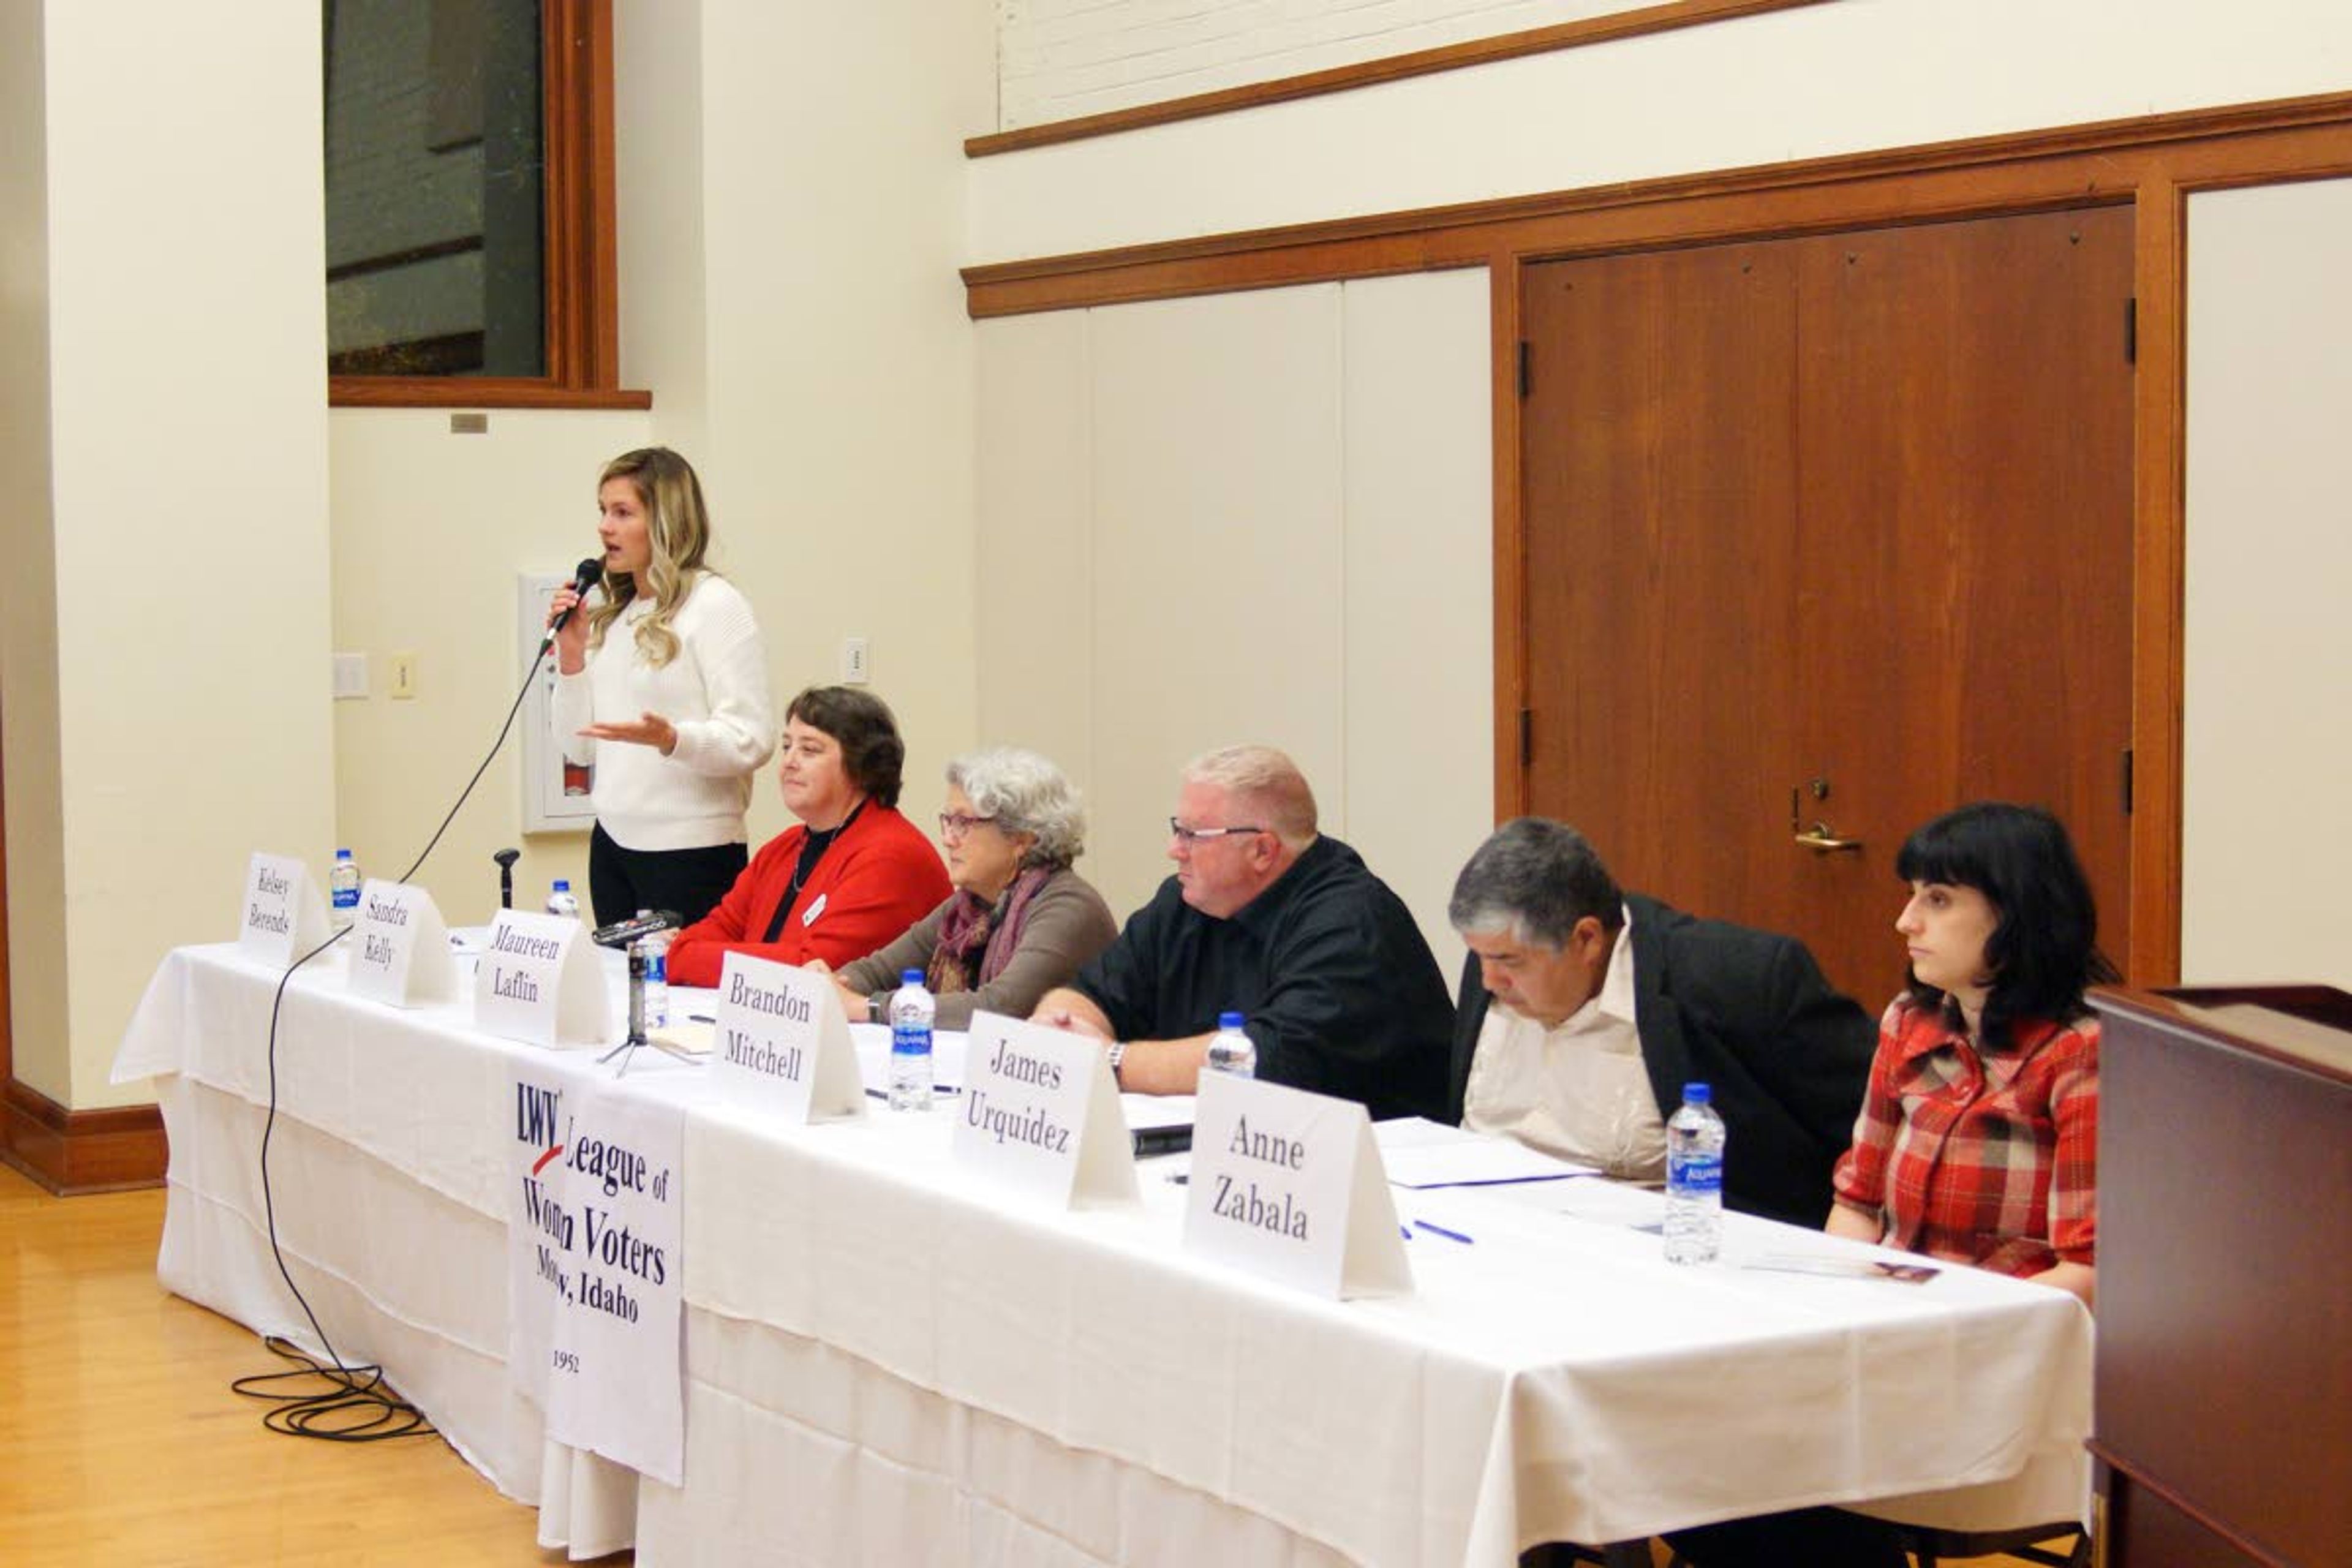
{"x": 630, "y": 935}
{"x": 506, "y": 860}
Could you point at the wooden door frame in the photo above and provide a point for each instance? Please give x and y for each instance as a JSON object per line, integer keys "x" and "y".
{"x": 2153, "y": 162}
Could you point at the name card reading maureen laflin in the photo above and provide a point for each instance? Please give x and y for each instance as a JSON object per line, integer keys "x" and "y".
{"x": 280, "y": 917}
{"x": 782, "y": 1043}
{"x": 1039, "y": 1111}
{"x": 594, "y": 1263}
{"x": 1288, "y": 1184}
{"x": 401, "y": 951}
{"x": 538, "y": 981}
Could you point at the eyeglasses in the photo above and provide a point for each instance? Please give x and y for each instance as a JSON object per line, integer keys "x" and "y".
{"x": 955, "y": 824}
{"x": 1192, "y": 835}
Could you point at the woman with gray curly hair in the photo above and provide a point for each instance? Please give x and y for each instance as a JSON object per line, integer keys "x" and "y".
{"x": 1020, "y": 921}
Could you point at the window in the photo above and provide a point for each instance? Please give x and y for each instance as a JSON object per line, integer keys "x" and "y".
{"x": 470, "y": 203}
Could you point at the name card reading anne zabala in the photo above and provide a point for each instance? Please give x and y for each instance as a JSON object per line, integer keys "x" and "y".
{"x": 400, "y": 951}
{"x": 538, "y": 981}
{"x": 283, "y": 918}
{"x": 1288, "y": 1184}
{"x": 782, "y": 1041}
{"x": 1039, "y": 1112}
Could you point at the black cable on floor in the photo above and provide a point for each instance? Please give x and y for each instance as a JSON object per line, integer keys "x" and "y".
{"x": 355, "y": 1404}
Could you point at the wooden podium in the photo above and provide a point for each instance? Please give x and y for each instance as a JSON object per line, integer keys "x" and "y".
{"x": 2223, "y": 1430}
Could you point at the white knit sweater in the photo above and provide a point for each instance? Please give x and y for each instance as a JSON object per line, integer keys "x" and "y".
{"x": 714, "y": 690}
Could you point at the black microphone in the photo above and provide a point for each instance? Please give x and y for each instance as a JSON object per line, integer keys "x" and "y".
{"x": 621, "y": 934}
{"x": 589, "y": 570}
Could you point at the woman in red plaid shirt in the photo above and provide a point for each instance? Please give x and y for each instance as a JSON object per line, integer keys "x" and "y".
{"x": 1977, "y": 1137}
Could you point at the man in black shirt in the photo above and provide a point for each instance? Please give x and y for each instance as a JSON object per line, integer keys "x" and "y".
{"x": 1266, "y": 919}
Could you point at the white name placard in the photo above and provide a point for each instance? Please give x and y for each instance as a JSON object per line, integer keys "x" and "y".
{"x": 1039, "y": 1112}
{"x": 400, "y": 948}
{"x": 1288, "y": 1184}
{"x": 283, "y": 918}
{"x": 538, "y": 981}
{"x": 782, "y": 1043}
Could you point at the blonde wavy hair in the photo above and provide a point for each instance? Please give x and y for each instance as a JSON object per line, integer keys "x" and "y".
{"x": 677, "y": 531}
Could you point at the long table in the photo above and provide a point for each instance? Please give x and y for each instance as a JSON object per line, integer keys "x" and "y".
{"x": 886, "y": 1361}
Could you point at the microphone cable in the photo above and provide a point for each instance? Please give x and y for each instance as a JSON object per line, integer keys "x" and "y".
{"x": 355, "y": 1404}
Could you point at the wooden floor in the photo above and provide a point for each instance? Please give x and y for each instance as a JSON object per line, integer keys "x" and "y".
{"x": 121, "y": 1442}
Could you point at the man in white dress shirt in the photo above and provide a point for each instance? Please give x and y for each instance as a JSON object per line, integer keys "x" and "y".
{"x": 1585, "y": 1009}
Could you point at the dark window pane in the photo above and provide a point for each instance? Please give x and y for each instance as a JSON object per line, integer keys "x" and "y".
{"x": 434, "y": 204}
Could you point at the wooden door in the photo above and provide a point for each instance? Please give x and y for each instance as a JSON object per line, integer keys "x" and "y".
{"x": 1834, "y": 531}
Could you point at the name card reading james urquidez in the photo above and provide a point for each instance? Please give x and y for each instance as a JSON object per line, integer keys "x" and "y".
{"x": 400, "y": 951}
{"x": 281, "y": 917}
{"x": 781, "y": 1039}
{"x": 1288, "y": 1184}
{"x": 538, "y": 981}
{"x": 1040, "y": 1112}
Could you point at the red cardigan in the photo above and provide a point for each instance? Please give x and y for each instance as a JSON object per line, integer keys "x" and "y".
{"x": 880, "y": 877}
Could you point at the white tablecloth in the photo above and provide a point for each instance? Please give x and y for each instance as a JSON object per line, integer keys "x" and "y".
{"x": 887, "y": 1362}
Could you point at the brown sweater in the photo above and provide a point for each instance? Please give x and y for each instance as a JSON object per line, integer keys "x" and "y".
{"x": 1068, "y": 924}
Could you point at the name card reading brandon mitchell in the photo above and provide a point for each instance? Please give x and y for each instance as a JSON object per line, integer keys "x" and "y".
{"x": 745, "y": 1051}
{"x": 1030, "y": 1125}
{"x": 1248, "y": 1205}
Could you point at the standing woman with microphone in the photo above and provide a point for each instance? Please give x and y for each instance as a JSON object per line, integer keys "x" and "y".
{"x": 663, "y": 687}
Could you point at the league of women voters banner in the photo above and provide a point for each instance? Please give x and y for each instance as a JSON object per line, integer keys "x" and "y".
{"x": 595, "y": 1265}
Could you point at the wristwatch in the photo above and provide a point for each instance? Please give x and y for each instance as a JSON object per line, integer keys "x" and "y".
{"x": 1117, "y": 1054}
{"x": 876, "y": 1009}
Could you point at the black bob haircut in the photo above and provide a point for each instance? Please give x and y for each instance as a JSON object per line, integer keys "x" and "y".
{"x": 2043, "y": 951}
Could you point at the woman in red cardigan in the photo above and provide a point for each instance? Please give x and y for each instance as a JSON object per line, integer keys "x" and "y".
{"x": 853, "y": 875}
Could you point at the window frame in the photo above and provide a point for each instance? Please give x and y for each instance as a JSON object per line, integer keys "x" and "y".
{"x": 579, "y": 267}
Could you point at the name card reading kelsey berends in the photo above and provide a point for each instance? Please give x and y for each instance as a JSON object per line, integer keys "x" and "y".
{"x": 1288, "y": 1184}
{"x": 1039, "y": 1111}
{"x": 400, "y": 949}
{"x": 283, "y": 918}
{"x": 538, "y": 981}
{"x": 784, "y": 1042}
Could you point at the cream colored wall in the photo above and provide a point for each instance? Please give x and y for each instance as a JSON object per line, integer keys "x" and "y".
{"x": 1808, "y": 82}
{"x": 186, "y": 717}
{"x": 30, "y": 731}
{"x": 430, "y": 531}
{"x": 2267, "y": 752}
{"x": 1257, "y": 516}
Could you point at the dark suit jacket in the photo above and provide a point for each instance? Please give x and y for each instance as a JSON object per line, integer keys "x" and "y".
{"x": 1750, "y": 1015}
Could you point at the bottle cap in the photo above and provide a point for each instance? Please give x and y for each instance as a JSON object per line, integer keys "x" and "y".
{"x": 562, "y": 884}
{"x": 910, "y": 977}
{"x": 1229, "y": 1020}
{"x": 1696, "y": 1094}
{"x": 343, "y": 854}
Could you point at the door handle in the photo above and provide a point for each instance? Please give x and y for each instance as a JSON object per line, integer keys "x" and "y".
{"x": 1821, "y": 841}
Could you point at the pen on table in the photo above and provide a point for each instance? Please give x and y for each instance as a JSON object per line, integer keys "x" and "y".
{"x": 702, "y": 1018}
{"x": 1441, "y": 1230}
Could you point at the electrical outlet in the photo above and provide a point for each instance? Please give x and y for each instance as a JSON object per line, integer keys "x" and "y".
{"x": 855, "y": 670}
{"x": 404, "y": 677}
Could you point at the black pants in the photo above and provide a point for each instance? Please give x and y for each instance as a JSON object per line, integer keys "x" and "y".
{"x": 1806, "y": 1538}
{"x": 690, "y": 881}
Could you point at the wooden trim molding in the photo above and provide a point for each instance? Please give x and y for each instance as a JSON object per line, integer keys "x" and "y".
{"x": 2206, "y": 148}
{"x": 75, "y": 1152}
{"x": 2153, "y": 163}
{"x": 1626, "y": 24}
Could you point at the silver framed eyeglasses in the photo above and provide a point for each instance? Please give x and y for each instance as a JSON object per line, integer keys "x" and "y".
{"x": 1190, "y": 836}
{"x": 955, "y": 824}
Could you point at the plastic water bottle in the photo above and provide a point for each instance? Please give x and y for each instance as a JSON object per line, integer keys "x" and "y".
{"x": 911, "y": 1012}
{"x": 343, "y": 890}
{"x": 1694, "y": 1138}
{"x": 1231, "y": 1050}
{"x": 654, "y": 944}
{"x": 560, "y": 900}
